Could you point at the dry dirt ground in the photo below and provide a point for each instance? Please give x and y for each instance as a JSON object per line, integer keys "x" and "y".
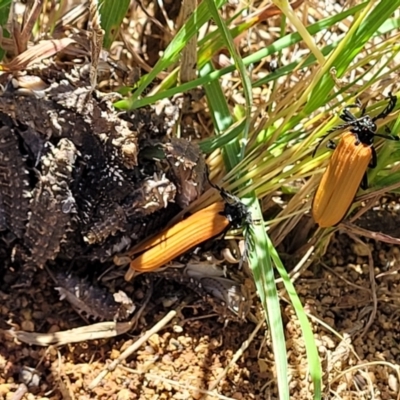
{"x": 351, "y": 296}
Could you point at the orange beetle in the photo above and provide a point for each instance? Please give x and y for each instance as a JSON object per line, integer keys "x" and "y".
{"x": 347, "y": 166}
{"x": 197, "y": 228}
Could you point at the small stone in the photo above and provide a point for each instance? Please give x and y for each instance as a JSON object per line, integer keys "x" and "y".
{"x": 28, "y": 326}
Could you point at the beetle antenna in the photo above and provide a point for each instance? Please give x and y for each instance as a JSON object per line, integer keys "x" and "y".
{"x": 336, "y": 128}
{"x": 389, "y": 137}
{"x": 389, "y": 108}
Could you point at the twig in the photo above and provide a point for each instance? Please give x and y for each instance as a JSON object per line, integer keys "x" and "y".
{"x": 101, "y": 330}
{"x": 341, "y": 277}
{"x": 370, "y": 202}
{"x": 22, "y": 34}
{"x": 187, "y": 71}
{"x": 30, "y": 18}
{"x": 378, "y": 192}
{"x": 378, "y": 236}
{"x": 131, "y": 349}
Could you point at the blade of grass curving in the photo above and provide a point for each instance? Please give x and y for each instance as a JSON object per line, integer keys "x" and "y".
{"x": 311, "y": 347}
{"x": 263, "y": 272}
{"x": 221, "y": 117}
{"x": 219, "y": 110}
{"x": 257, "y": 256}
{"x": 245, "y": 79}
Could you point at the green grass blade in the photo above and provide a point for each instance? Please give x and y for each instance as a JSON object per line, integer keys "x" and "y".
{"x": 112, "y": 13}
{"x": 311, "y": 347}
{"x": 247, "y": 89}
{"x": 5, "y": 6}
{"x": 212, "y": 143}
{"x": 263, "y": 271}
{"x": 256, "y": 57}
{"x": 222, "y": 118}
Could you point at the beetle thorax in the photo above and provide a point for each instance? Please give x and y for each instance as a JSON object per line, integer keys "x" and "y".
{"x": 365, "y": 129}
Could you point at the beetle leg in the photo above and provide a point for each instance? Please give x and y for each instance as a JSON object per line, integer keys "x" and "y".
{"x": 362, "y": 108}
{"x": 348, "y": 116}
{"x": 364, "y": 182}
{"x": 372, "y": 163}
{"x": 358, "y": 105}
{"x": 319, "y": 144}
{"x": 331, "y": 145}
{"x": 389, "y": 137}
{"x": 389, "y": 108}
{"x": 391, "y": 105}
